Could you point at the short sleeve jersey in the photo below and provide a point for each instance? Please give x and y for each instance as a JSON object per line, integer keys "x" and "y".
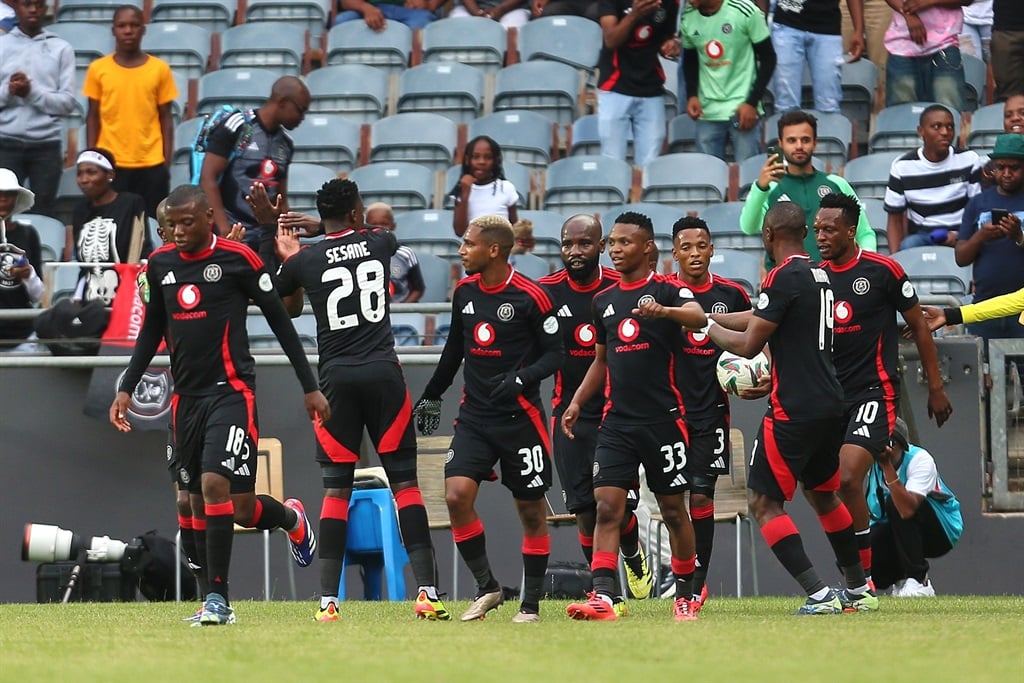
{"x": 573, "y": 306}
{"x": 500, "y": 329}
{"x": 725, "y": 49}
{"x": 204, "y": 299}
{"x": 642, "y": 354}
{"x": 633, "y": 68}
{"x": 868, "y": 290}
{"x": 696, "y": 374}
{"x": 797, "y": 297}
{"x": 813, "y": 16}
{"x": 346, "y": 277}
{"x": 265, "y": 159}
{"x": 402, "y": 263}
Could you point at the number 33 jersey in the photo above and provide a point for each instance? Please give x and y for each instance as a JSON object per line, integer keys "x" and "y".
{"x": 346, "y": 277}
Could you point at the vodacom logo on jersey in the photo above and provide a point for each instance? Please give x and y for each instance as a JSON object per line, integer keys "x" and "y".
{"x": 483, "y": 335}
{"x": 843, "y": 312}
{"x": 698, "y": 338}
{"x": 714, "y": 49}
{"x": 585, "y": 334}
{"x": 629, "y": 329}
{"x": 188, "y": 299}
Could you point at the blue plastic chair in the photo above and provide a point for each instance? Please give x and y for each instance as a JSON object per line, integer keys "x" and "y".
{"x": 375, "y": 543}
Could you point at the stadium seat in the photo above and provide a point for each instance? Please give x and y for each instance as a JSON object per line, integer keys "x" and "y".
{"x": 185, "y": 47}
{"x": 180, "y": 103}
{"x": 447, "y": 88}
{"x": 869, "y": 175}
{"x": 180, "y": 175}
{"x": 896, "y": 128}
{"x": 357, "y": 92}
{"x": 476, "y": 41}
{"x": 724, "y": 223}
{"x": 437, "y": 278}
{"x": 304, "y": 180}
{"x": 427, "y": 139}
{"x": 682, "y": 134}
{"x": 878, "y": 219}
{"x": 547, "y": 230}
{"x": 934, "y": 271}
{"x": 724, "y": 216}
{"x": 275, "y": 46}
{"x": 976, "y": 80}
{"x": 530, "y": 265}
{"x": 184, "y": 134}
{"x": 88, "y": 42}
{"x": 309, "y": 14}
{"x": 548, "y": 88}
{"x": 835, "y": 133}
{"x": 262, "y": 337}
{"x": 241, "y": 88}
{"x": 525, "y": 136}
{"x": 687, "y": 181}
{"x": 305, "y": 326}
{"x": 427, "y": 231}
{"x": 91, "y": 11}
{"x": 51, "y": 234}
{"x": 742, "y": 267}
{"x": 62, "y": 280}
{"x": 587, "y": 140}
{"x": 409, "y": 329}
{"x": 213, "y": 15}
{"x": 859, "y": 82}
{"x": 986, "y": 126}
{"x": 353, "y": 42}
{"x": 671, "y": 88}
{"x": 517, "y": 174}
{"x": 662, "y": 216}
{"x": 586, "y": 184}
{"x": 572, "y": 40}
{"x": 405, "y": 186}
{"x": 329, "y": 140}
{"x": 374, "y": 542}
{"x": 68, "y": 195}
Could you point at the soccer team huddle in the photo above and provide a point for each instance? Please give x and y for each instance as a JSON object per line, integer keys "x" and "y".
{"x": 634, "y": 356}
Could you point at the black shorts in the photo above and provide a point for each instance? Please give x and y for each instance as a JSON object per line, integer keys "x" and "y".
{"x": 373, "y": 396}
{"x": 172, "y": 468}
{"x": 787, "y": 452}
{"x": 520, "y": 443}
{"x": 709, "y": 452}
{"x": 217, "y": 434}
{"x": 870, "y": 422}
{"x": 660, "y": 448}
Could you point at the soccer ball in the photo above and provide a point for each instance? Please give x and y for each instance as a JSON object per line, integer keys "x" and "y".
{"x": 736, "y": 373}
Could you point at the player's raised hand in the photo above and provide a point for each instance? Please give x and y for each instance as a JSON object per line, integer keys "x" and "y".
{"x": 317, "y": 406}
{"x": 304, "y": 224}
{"x": 569, "y": 417}
{"x": 236, "y": 234}
{"x": 286, "y": 243}
{"x": 119, "y": 412}
{"x": 650, "y": 309}
{"x": 263, "y": 210}
{"x": 428, "y": 415}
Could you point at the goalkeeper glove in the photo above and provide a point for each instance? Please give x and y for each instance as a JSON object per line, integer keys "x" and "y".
{"x": 428, "y": 415}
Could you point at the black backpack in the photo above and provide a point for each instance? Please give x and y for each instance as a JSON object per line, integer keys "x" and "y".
{"x": 150, "y": 558}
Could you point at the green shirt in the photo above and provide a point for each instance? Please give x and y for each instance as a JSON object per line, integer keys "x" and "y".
{"x": 807, "y": 191}
{"x": 725, "y": 47}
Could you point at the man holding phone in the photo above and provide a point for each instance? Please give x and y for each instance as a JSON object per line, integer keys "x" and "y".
{"x": 990, "y": 236}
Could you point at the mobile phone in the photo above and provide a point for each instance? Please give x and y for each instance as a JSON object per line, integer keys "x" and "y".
{"x": 773, "y": 150}
{"x": 998, "y": 215}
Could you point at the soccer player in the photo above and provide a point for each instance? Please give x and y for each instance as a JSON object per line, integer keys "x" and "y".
{"x": 708, "y": 453}
{"x": 802, "y": 431}
{"x": 345, "y": 276}
{"x": 869, "y": 289}
{"x": 572, "y": 292}
{"x": 199, "y": 293}
{"x": 638, "y": 342}
{"x": 503, "y": 326}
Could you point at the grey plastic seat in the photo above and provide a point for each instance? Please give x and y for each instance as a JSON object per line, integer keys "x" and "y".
{"x": 835, "y": 134}
{"x": 725, "y": 215}
{"x": 92, "y": 11}
{"x": 240, "y": 88}
{"x": 687, "y": 181}
{"x": 896, "y": 128}
{"x": 530, "y": 265}
{"x": 405, "y": 186}
{"x": 548, "y": 88}
{"x": 213, "y": 15}
{"x": 355, "y": 91}
{"x": 525, "y": 136}
{"x": 87, "y": 40}
{"x": 662, "y": 216}
{"x": 976, "y": 80}
{"x": 724, "y": 223}
{"x": 68, "y": 195}
{"x": 986, "y": 126}
{"x": 475, "y": 41}
{"x": 437, "y": 277}
{"x": 447, "y": 88}
{"x": 547, "y": 230}
{"x": 185, "y": 47}
{"x": 276, "y": 46}
{"x": 742, "y": 267}
{"x": 586, "y": 184}
{"x": 429, "y": 231}
{"x": 859, "y": 80}
{"x": 933, "y": 270}
{"x": 309, "y": 14}
{"x": 329, "y": 140}
{"x": 869, "y": 175}
{"x": 353, "y": 42}
{"x": 587, "y": 140}
{"x": 878, "y": 219}
{"x": 51, "y": 234}
{"x": 304, "y": 180}
{"x": 409, "y": 329}
{"x": 682, "y": 134}
{"x": 572, "y": 40}
{"x": 184, "y": 134}
{"x": 427, "y": 139}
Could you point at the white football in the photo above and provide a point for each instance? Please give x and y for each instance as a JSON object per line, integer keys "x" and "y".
{"x": 736, "y": 373}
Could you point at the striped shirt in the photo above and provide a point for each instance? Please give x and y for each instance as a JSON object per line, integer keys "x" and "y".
{"x": 933, "y": 194}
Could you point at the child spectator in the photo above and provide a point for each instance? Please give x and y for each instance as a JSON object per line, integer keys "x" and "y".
{"x": 20, "y": 262}
{"x": 482, "y": 189}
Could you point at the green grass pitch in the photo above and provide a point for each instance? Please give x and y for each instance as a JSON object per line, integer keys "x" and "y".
{"x": 754, "y": 639}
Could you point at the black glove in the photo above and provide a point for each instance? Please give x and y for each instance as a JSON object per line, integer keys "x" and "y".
{"x": 506, "y": 387}
{"x": 428, "y": 415}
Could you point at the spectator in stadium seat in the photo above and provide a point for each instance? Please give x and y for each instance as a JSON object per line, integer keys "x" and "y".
{"x": 482, "y": 188}
{"x": 413, "y": 13}
{"x": 511, "y": 13}
{"x": 522, "y": 232}
{"x": 130, "y": 94}
{"x": 21, "y": 262}
{"x": 1007, "y": 48}
{"x": 728, "y": 60}
{"x": 924, "y": 63}
{"x": 914, "y": 516}
{"x": 37, "y": 82}
{"x": 407, "y": 284}
{"x": 929, "y": 186}
{"x": 551, "y": 8}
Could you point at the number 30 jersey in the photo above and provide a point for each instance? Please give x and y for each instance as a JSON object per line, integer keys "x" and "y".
{"x": 346, "y": 277}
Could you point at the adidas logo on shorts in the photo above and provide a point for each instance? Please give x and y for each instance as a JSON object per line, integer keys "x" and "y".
{"x": 536, "y": 482}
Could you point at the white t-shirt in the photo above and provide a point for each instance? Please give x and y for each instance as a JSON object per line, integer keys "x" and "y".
{"x": 922, "y": 475}
{"x": 978, "y": 13}
{"x": 492, "y": 198}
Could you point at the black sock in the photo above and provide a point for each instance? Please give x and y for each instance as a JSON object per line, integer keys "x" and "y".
{"x": 333, "y": 538}
{"x": 219, "y": 537}
{"x": 188, "y": 544}
{"x": 472, "y": 544}
{"x": 604, "y": 582}
{"x": 271, "y": 513}
{"x": 838, "y": 526}
{"x": 783, "y": 538}
{"x": 703, "y": 519}
{"x": 536, "y": 551}
{"x": 412, "y": 520}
